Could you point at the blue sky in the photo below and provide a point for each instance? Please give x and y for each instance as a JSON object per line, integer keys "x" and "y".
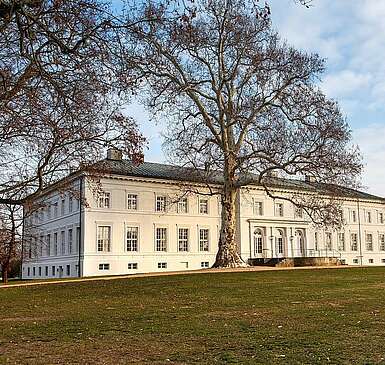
{"x": 350, "y": 35}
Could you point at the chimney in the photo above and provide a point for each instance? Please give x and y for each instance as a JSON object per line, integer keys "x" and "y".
{"x": 310, "y": 179}
{"x": 114, "y": 154}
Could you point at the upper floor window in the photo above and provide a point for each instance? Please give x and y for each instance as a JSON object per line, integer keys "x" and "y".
{"x": 369, "y": 242}
{"x": 316, "y": 241}
{"x": 160, "y": 203}
{"x": 279, "y": 209}
{"x": 298, "y": 212}
{"x": 381, "y": 217}
{"x": 161, "y": 239}
{"x": 354, "y": 216}
{"x": 55, "y": 209}
{"x": 70, "y": 241}
{"x": 203, "y": 239}
{"x": 104, "y": 238}
{"x": 48, "y": 243}
{"x": 257, "y": 207}
{"x": 329, "y": 244}
{"x": 104, "y": 200}
{"x": 132, "y": 202}
{"x": 55, "y": 243}
{"x": 70, "y": 204}
{"x": 63, "y": 242}
{"x": 203, "y": 206}
{"x": 182, "y": 205}
{"x": 369, "y": 217}
{"x": 183, "y": 239}
{"x": 63, "y": 205}
{"x": 132, "y": 238}
{"x": 381, "y": 239}
{"x": 354, "y": 241}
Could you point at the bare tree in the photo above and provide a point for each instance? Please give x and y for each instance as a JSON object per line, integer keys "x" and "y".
{"x": 241, "y": 102}
{"x": 59, "y": 101}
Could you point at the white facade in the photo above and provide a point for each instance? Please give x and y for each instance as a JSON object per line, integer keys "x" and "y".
{"x": 141, "y": 224}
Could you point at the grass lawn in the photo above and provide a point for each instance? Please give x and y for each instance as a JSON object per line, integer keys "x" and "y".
{"x": 281, "y": 317}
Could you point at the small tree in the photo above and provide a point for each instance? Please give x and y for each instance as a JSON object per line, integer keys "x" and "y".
{"x": 239, "y": 101}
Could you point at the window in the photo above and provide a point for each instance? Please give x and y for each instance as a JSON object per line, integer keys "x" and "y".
{"x": 161, "y": 239}
{"x": 369, "y": 217}
{"x": 355, "y": 261}
{"x": 70, "y": 204}
{"x": 104, "y": 200}
{"x": 279, "y": 242}
{"x": 381, "y": 218}
{"x": 182, "y": 205}
{"x": 183, "y": 239}
{"x": 29, "y": 271}
{"x": 104, "y": 238}
{"x": 162, "y": 265}
{"x": 55, "y": 244}
{"x": 49, "y": 211}
{"x": 77, "y": 204}
{"x": 46, "y": 271}
{"x": 203, "y": 206}
{"x": 70, "y": 241}
{"x": 48, "y": 243}
{"x": 160, "y": 204}
{"x": 132, "y": 202}
{"x": 68, "y": 270}
{"x": 132, "y": 266}
{"x": 39, "y": 270}
{"x": 354, "y": 242}
{"x": 329, "y": 244}
{"x": 369, "y": 242}
{"x": 203, "y": 239}
{"x": 316, "y": 241}
{"x": 381, "y": 239}
{"x": 258, "y": 241}
{"x": 132, "y": 238}
{"x": 298, "y": 212}
{"x": 257, "y": 207}
{"x": 63, "y": 205}
{"x": 371, "y": 261}
{"x": 77, "y": 238}
{"x": 63, "y": 242}
{"x": 341, "y": 242}
{"x": 279, "y": 209}
{"x": 55, "y": 209}
{"x": 34, "y": 271}
{"x": 104, "y": 266}
{"x": 53, "y": 271}
{"x": 204, "y": 264}
{"x": 354, "y": 216}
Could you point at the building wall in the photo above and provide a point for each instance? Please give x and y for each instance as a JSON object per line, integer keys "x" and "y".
{"x": 286, "y": 235}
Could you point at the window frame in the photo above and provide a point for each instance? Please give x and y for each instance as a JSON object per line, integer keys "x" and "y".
{"x": 163, "y": 247}
{"x": 129, "y": 198}
{"x": 162, "y": 206}
{"x": 185, "y": 240}
{"x": 200, "y": 240}
{"x": 207, "y": 209}
{"x": 102, "y": 198}
{"x": 127, "y": 228}
{"x": 103, "y": 225}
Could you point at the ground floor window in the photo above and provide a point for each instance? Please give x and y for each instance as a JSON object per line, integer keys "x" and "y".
{"x": 162, "y": 265}
{"x": 53, "y": 271}
{"x": 369, "y": 242}
{"x": 355, "y": 261}
{"x": 371, "y": 261}
{"x": 132, "y": 266}
{"x": 39, "y": 270}
{"x": 203, "y": 239}
{"x": 204, "y": 264}
{"x": 258, "y": 241}
{"x": 183, "y": 239}
{"x": 46, "y": 271}
{"x": 68, "y": 270}
{"x": 104, "y": 266}
{"x": 354, "y": 242}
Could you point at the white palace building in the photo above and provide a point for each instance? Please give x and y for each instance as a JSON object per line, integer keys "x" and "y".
{"x": 135, "y": 225}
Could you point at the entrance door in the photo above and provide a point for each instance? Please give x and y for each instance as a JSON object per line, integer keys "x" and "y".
{"x": 258, "y": 243}
{"x": 300, "y": 244}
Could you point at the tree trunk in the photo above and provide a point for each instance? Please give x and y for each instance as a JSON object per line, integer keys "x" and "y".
{"x": 227, "y": 255}
{"x": 4, "y": 272}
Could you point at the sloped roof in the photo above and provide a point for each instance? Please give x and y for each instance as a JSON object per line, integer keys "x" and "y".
{"x": 176, "y": 173}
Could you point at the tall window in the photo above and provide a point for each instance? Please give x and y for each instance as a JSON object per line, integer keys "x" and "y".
{"x": 341, "y": 241}
{"x": 279, "y": 241}
{"x": 55, "y": 209}
{"x": 257, "y": 207}
{"x": 160, "y": 203}
{"x": 203, "y": 206}
{"x": 70, "y": 241}
{"x": 279, "y": 209}
{"x": 49, "y": 250}
{"x": 63, "y": 242}
{"x": 161, "y": 239}
{"x": 70, "y": 204}
{"x": 77, "y": 238}
{"x": 369, "y": 217}
{"x": 63, "y": 205}
{"x": 298, "y": 212}
{"x": 49, "y": 211}
{"x": 381, "y": 217}
{"x": 316, "y": 241}
{"x": 329, "y": 245}
{"x": 258, "y": 241}
{"x": 354, "y": 216}
{"x": 132, "y": 202}
{"x": 354, "y": 241}
{"x": 369, "y": 242}
{"x": 104, "y": 238}
{"x": 203, "y": 239}
{"x": 381, "y": 239}
{"x": 104, "y": 200}
{"x": 182, "y": 205}
{"x": 55, "y": 244}
{"x": 183, "y": 239}
{"x": 132, "y": 238}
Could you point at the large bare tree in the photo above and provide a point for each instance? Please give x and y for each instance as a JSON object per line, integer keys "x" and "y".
{"x": 239, "y": 100}
{"x": 59, "y": 104}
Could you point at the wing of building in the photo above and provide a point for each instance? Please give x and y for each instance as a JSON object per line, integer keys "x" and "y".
{"x": 149, "y": 218}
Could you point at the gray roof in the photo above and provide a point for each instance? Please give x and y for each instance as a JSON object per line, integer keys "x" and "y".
{"x": 176, "y": 173}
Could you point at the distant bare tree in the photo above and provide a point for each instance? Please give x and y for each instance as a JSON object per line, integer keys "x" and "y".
{"x": 240, "y": 102}
{"x": 59, "y": 105}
